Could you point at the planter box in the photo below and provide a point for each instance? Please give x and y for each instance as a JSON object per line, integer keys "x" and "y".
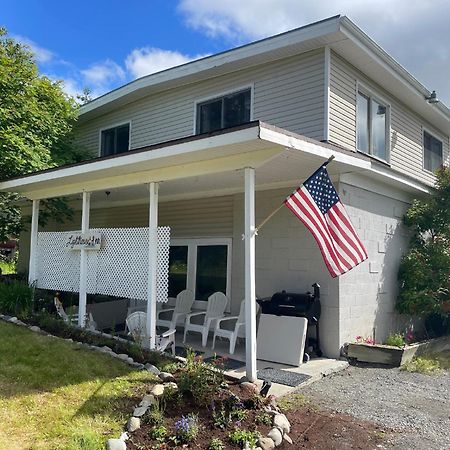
{"x": 395, "y": 356}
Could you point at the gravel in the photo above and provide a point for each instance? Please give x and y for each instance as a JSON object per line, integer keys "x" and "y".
{"x": 415, "y": 407}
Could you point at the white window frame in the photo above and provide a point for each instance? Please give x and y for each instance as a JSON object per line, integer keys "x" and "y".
{"x": 108, "y": 127}
{"x": 365, "y": 90}
{"x": 218, "y": 95}
{"x": 433, "y": 134}
{"x": 192, "y": 244}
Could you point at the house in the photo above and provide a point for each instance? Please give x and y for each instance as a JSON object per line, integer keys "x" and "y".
{"x": 212, "y": 147}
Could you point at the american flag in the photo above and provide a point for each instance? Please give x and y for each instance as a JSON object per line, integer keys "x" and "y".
{"x": 316, "y": 203}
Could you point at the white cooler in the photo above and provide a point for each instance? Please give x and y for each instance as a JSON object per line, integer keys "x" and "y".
{"x": 281, "y": 339}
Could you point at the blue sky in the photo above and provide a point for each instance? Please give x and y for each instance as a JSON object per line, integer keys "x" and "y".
{"x": 103, "y": 44}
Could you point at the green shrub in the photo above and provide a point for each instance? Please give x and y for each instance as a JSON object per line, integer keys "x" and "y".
{"x": 243, "y": 437}
{"x": 187, "y": 428}
{"x": 16, "y": 297}
{"x": 158, "y": 433}
{"x": 216, "y": 444}
{"x": 395, "y": 340}
{"x": 264, "y": 418}
{"x": 229, "y": 411}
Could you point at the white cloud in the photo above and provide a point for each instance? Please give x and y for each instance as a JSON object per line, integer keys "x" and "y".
{"x": 42, "y": 55}
{"x": 147, "y": 60}
{"x": 103, "y": 73}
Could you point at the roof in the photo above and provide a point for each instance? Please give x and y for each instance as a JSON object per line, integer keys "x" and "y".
{"x": 338, "y": 33}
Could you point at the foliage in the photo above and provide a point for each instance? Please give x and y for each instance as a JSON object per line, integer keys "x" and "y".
{"x": 154, "y": 416}
{"x": 424, "y": 271}
{"x": 187, "y": 428}
{"x": 36, "y": 129}
{"x": 292, "y": 402}
{"x": 7, "y": 267}
{"x": 159, "y": 433}
{"x": 243, "y": 437}
{"x": 199, "y": 379}
{"x": 429, "y": 364}
{"x": 395, "y": 340}
{"x": 16, "y": 298}
{"x": 263, "y": 418}
{"x": 216, "y": 444}
{"x": 230, "y": 410}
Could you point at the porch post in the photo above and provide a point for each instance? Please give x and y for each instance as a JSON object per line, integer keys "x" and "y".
{"x": 250, "y": 288}
{"x": 152, "y": 262}
{"x": 33, "y": 242}
{"x": 83, "y": 260}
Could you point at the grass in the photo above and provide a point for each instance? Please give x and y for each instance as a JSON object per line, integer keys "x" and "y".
{"x": 292, "y": 402}
{"x": 429, "y": 364}
{"x": 56, "y": 395}
{"x": 7, "y": 268}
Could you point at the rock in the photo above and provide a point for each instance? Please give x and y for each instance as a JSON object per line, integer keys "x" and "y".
{"x": 266, "y": 443}
{"x": 35, "y": 329}
{"x": 152, "y": 369}
{"x": 140, "y": 411}
{"x": 172, "y": 386}
{"x": 130, "y": 360}
{"x": 276, "y": 436}
{"x": 148, "y": 400}
{"x": 123, "y": 356}
{"x": 105, "y": 348}
{"x": 124, "y": 436}
{"x": 281, "y": 421}
{"x": 13, "y": 319}
{"x": 157, "y": 390}
{"x": 133, "y": 424}
{"x": 116, "y": 444}
{"x": 251, "y": 388}
{"x": 166, "y": 377}
{"x": 287, "y": 438}
{"x": 137, "y": 365}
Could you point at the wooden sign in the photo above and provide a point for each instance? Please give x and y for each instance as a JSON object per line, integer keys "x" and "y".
{"x": 84, "y": 241}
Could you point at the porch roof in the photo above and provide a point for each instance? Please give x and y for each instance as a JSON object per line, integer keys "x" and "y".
{"x": 203, "y": 163}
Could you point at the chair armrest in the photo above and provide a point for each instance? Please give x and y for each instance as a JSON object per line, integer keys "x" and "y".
{"x": 168, "y": 333}
{"x": 223, "y": 319}
{"x": 161, "y": 311}
{"x": 188, "y": 316}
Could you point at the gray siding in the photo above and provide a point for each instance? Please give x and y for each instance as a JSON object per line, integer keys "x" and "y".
{"x": 288, "y": 93}
{"x": 406, "y": 141}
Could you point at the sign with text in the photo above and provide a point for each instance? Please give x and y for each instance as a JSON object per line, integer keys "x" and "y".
{"x": 84, "y": 241}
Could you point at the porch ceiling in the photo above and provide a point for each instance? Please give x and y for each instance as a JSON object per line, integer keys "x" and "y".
{"x": 194, "y": 165}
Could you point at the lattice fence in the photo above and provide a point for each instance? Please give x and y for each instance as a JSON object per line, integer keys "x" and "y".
{"x": 119, "y": 268}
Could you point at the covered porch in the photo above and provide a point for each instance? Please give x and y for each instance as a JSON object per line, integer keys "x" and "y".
{"x": 244, "y": 162}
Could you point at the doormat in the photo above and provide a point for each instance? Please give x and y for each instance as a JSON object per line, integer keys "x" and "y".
{"x": 182, "y": 351}
{"x": 282, "y": 376}
{"x": 227, "y": 363}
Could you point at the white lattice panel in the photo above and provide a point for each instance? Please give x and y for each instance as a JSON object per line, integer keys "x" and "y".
{"x": 57, "y": 268}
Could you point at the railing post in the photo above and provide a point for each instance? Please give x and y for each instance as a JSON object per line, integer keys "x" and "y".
{"x": 85, "y": 212}
{"x": 33, "y": 242}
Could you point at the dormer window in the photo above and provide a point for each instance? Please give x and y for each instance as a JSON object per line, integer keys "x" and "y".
{"x": 372, "y": 131}
{"x": 223, "y": 112}
{"x": 115, "y": 140}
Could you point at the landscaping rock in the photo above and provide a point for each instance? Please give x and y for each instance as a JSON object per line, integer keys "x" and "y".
{"x": 140, "y": 411}
{"x": 166, "y": 377}
{"x": 281, "y": 421}
{"x": 35, "y": 329}
{"x": 105, "y": 348}
{"x": 13, "y": 319}
{"x": 134, "y": 423}
{"x": 157, "y": 390}
{"x": 287, "y": 438}
{"x": 116, "y": 444}
{"x": 124, "y": 436}
{"x": 249, "y": 387}
{"x": 266, "y": 443}
{"x": 148, "y": 400}
{"x": 123, "y": 356}
{"x": 276, "y": 436}
{"x": 152, "y": 369}
{"x": 172, "y": 386}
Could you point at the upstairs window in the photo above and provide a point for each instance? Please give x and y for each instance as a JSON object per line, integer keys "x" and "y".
{"x": 223, "y": 112}
{"x": 115, "y": 140}
{"x": 372, "y": 126}
{"x": 432, "y": 152}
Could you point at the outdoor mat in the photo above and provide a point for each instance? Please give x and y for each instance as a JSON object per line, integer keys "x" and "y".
{"x": 181, "y": 351}
{"x": 282, "y": 376}
{"x": 228, "y": 363}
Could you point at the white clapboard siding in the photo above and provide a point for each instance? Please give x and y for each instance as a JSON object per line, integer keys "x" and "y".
{"x": 288, "y": 93}
{"x": 406, "y": 126}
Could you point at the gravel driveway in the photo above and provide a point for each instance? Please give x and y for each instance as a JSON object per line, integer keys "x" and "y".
{"x": 416, "y": 407}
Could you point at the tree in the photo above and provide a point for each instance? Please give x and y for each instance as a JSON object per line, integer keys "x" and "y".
{"x": 424, "y": 272}
{"x": 36, "y": 128}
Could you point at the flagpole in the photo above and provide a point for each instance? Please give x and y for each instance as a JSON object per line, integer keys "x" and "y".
{"x": 279, "y": 207}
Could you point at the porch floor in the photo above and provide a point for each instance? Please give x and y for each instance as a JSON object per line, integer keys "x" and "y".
{"x": 316, "y": 368}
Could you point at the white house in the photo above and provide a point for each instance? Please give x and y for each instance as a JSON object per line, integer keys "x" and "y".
{"x": 215, "y": 145}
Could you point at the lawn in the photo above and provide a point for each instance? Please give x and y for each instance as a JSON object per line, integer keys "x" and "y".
{"x": 57, "y": 395}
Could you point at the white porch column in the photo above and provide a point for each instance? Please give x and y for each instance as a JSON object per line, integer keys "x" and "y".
{"x": 250, "y": 288}
{"x": 83, "y": 260}
{"x": 33, "y": 242}
{"x": 152, "y": 261}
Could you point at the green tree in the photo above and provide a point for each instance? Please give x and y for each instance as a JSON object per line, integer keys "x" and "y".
{"x": 36, "y": 128}
{"x": 424, "y": 272}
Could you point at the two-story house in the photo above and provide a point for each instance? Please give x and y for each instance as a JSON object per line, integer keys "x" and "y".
{"x": 221, "y": 142}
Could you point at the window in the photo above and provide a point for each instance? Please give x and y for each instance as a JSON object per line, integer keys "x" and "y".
{"x": 432, "y": 152}
{"x": 223, "y": 112}
{"x": 115, "y": 140}
{"x": 201, "y": 265}
{"x": 372, "y": 126}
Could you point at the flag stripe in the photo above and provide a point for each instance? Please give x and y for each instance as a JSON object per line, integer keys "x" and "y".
{"x": 341, "y": 242}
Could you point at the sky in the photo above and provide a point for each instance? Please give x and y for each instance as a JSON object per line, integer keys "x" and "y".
{"x": 103, "y": 44}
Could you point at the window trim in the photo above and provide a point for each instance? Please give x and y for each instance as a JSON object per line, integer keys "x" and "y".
{"x": 192, "y": 244}
{"x": 363, "y": 89}
{"x": 435, "y": 136}
{"x": 109, "y": 127}
{"x": 222, "y": 94}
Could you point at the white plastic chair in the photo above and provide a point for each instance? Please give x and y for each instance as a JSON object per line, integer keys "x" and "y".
{"x": 137, "y": 328}
{"x": 183, "y": 306}
{"x": 217, "y": 303}
{"x": 72, "y": 319}
{"x": 237, "y": 332}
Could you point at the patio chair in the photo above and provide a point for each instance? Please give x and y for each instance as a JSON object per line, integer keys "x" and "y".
{"x": 183, "y": 305}
{"x": 72, "y": 319}
{"x": 217, "y": 303}
{"x": 136, "y": 324}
